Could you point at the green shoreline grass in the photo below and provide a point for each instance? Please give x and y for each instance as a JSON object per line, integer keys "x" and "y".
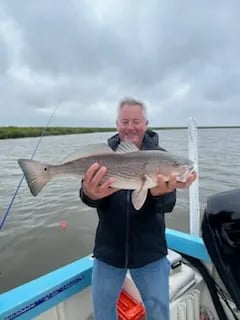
{"x": 14, "y": 132}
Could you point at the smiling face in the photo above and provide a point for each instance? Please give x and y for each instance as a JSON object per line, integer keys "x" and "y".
{"x": 131, "y": 124}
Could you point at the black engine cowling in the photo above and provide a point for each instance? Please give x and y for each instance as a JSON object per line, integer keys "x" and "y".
{"x": 221, "y": 235}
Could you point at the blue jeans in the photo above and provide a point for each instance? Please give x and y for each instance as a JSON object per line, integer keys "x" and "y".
{"x": 152, "y": 281}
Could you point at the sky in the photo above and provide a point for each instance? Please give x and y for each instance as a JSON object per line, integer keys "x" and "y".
{"x": 181, "y": 58}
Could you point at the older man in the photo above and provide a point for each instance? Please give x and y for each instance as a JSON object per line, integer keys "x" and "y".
{"x": 126, "y": 238}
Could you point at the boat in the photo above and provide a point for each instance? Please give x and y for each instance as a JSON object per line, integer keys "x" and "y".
{"x": 204, "y": 278}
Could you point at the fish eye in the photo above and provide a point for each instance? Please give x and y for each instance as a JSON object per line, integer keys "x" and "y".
{"x": 177, "y": 164}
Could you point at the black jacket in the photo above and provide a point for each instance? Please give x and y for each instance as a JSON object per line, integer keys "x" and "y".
{"x": 126, "y": 237}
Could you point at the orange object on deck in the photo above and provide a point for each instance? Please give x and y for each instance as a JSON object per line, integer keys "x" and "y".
{"x": 129, "y": 309}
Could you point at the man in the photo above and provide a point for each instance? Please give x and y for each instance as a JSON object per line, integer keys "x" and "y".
{"x": 126, "y": 238}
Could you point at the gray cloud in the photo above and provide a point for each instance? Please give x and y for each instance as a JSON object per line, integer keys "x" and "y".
{"x": 3, "y": 58}
{"x": 182, "y": 58}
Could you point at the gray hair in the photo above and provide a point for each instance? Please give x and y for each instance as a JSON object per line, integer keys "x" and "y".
{"x": 132, "y": 102}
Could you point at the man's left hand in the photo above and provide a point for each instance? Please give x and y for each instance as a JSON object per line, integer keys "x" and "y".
{"x": 172, "y": 184}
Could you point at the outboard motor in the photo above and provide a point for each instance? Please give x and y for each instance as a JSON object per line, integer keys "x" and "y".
{"x": 221, "y": 235}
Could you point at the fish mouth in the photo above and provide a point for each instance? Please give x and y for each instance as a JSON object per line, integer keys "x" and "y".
{"x": 183, "y": 177}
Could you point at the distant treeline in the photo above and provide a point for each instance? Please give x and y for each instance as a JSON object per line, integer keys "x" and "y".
{"x": 12, "y": 132}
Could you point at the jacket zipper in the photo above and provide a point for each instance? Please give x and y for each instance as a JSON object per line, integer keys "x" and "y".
{"x": 127, "y": 228}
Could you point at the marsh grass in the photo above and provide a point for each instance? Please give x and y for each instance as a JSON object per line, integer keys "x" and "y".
{"x": 13, "y": 132}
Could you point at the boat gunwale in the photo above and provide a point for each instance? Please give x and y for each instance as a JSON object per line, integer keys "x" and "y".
{"x": 39, "y": 295}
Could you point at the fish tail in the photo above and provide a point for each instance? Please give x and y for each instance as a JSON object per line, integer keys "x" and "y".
{"x": 37, "y": 174}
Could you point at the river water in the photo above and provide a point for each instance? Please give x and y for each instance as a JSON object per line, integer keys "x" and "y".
{"x": 32, "y": 241}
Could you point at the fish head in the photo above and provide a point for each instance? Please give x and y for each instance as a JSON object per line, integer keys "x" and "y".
{"x": 184, "y": 173}
{"x": 175, "y": 165}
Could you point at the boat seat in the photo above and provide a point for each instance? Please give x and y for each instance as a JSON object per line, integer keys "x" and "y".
{"x": 182, "y": 277}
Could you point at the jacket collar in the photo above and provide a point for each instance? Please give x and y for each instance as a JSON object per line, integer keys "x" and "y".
{"x": 150, "y": 140}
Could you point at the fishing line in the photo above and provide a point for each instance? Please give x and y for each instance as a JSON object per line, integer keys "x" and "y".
{"x": 21, "y": 180}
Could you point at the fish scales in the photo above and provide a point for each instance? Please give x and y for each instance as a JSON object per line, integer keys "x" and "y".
{"x": 132, "y": 168}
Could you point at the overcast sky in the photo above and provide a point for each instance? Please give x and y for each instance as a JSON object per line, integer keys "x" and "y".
{"x": 182, "y": 58}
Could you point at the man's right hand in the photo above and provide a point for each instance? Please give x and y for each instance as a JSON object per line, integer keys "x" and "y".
{"x": 92, "y": 185}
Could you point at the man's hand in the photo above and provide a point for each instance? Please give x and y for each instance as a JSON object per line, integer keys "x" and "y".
{"x": 172, "y": 184}
{"x": 93, "y": 186}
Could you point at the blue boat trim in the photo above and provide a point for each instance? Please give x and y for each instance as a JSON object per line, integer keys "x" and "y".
{"x": 188, "y": 244}
{"x": 44, "y": 298}
{"x": 35, "y": 297}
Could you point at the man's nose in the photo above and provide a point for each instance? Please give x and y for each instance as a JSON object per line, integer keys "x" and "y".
{"x": 130, "y": 125}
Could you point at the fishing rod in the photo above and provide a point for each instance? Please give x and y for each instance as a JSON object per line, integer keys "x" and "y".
{"x": 21, "y": 180}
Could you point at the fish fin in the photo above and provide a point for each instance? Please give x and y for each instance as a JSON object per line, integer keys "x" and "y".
{"x": 36, "y": 174}
{"x": 127, "y": 146}
{"x": 89, "y": 150}
{"x": 138, "y": 197}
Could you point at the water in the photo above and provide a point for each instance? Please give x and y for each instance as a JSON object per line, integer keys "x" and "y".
{"x": 32, "y": 242}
